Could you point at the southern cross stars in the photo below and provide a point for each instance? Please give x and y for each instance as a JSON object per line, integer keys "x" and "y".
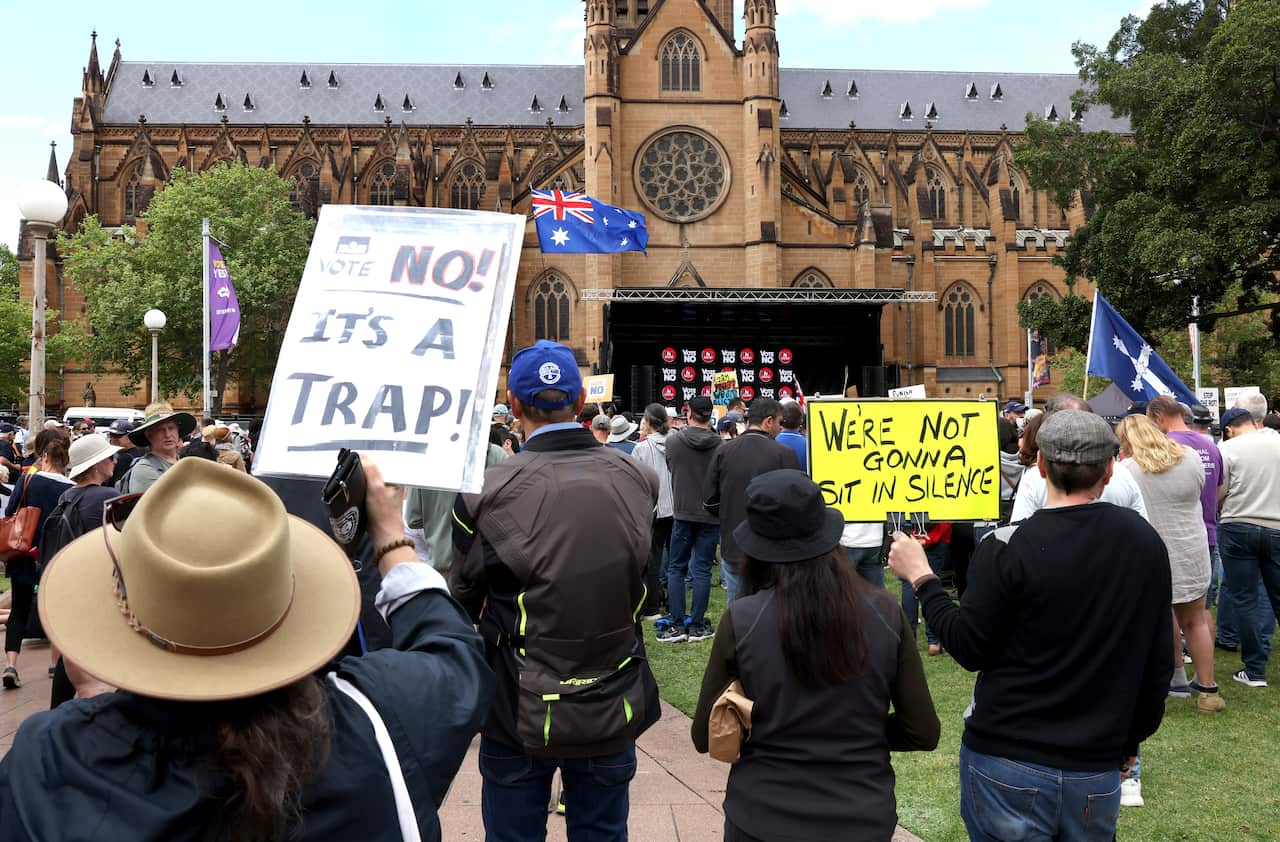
{"x": 560, "y": 236}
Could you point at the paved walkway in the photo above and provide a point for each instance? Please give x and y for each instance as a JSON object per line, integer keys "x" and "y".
{"x": 676, "y": 795}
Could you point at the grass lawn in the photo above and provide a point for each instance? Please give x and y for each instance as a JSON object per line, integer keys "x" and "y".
{"x": 1206, "y": 778}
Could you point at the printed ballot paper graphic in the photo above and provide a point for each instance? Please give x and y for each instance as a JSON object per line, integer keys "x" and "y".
{"x": 1117, "y": 352}
{"x": 394, "y": 345}
{"x": 574, "y": 223}
{"x": 872, "y": 458}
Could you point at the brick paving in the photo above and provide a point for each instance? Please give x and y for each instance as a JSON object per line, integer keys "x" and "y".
{"x": 676, "y": 795}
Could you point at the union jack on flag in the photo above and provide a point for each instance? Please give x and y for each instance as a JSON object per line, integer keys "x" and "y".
{"x": 574, "y": 223}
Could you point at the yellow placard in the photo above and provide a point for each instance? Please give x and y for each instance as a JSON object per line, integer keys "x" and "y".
{"x": 599, "y": 388}
{"x": 938, "y": 457}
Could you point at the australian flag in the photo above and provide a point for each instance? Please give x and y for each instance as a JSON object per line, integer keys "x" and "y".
{"x": 1116, "y": 351}
{"x": 573, "y": 223}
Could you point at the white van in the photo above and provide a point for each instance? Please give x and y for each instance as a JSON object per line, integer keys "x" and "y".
{"x": 102, "y": 415}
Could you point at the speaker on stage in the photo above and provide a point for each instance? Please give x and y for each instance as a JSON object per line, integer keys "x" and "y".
{"x": 873, "y": 382}
{"x": 644, "y": 388}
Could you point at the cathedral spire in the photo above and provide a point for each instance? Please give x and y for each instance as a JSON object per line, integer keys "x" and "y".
{"x": 52, "y": 174}
{"x": 93, "y": 79}
{"x": 93, "y": 54}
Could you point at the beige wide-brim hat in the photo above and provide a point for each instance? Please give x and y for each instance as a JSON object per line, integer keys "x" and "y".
{"x": 88, "y": 451}
{"x": 231, "y": 596}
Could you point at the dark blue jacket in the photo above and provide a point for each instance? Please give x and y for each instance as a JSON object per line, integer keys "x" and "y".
{"x": 123, "y": 766}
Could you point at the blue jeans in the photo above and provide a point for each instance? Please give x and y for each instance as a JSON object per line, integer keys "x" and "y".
{"x": 1249, "y": 552}
{"x": 693, "y": 549}
{"x": 937, "y": 555}
{"x": 1006, "y": 799}
{"x": 517, "y": 790}
{"x": 730, "y": 580}
{"x": 866, "y": 560}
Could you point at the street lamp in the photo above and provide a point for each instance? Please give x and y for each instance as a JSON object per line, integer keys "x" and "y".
{"x": 155, "y": 321}
{"x": 42, "y": 204}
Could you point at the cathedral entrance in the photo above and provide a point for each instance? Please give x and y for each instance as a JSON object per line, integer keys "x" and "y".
{"x": 664, "y": 344}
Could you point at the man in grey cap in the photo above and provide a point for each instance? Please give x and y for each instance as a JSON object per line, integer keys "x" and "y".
{"x": 1067, "y": 691}
{"x": 601, "y": 427}
{"x": 118, "y": 436}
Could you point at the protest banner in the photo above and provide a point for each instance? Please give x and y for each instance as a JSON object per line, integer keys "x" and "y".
{"x": 915, "y": 392}
{"x": 938, "y": 457}
{"x": 1231, "y": 394}
{"x": 394, "y": 345}
{"x": 1208, "y": 398}
{"x": 765, "y": 372}
{"x": 724, "y": 387}
{"x": 599, "y": 388}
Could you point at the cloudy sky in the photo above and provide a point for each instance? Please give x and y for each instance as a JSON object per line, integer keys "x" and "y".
{"x": 40, "y": 65}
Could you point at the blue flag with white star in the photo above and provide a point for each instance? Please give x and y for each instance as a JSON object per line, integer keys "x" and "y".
{"x": 1118, "y": 352}
{"x": 574, "y": 223}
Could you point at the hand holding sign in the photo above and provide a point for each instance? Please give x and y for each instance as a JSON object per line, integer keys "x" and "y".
{"x": 907, "y": 557}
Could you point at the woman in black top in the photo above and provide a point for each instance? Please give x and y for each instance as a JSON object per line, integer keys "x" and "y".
{"x": 42, "y": 490}
{"x": 822, "y": 654}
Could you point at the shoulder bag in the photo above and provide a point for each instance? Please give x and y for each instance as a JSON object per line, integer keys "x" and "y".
{"x": 18, "y": 530}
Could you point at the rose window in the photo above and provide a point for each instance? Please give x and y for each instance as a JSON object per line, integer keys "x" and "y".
{"x": 683, "y": 175}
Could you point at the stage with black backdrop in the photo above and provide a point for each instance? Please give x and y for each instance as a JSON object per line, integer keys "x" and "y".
{"x": 667, "y": 350}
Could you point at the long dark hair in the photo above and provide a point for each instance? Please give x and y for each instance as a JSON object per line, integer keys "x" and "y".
{"x": 656, "y": 415}
{"x": 820, "y": 615}
{"x": 269, "y": 746}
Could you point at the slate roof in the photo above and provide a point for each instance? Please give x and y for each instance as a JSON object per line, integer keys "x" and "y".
{"x": 961, "y": 101}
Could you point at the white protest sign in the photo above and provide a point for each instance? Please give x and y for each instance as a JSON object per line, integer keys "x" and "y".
{"x": 599, "y": 388}
{"x": 1231, "y": 394}
{"x": 908, "y": 393}
{"x": 394, "y": 345}
{"x": 1208, "y": 398}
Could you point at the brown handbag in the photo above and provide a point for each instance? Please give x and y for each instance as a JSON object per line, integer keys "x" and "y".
{"x": 730, "y": 723}
{"x": 18, "y": 530}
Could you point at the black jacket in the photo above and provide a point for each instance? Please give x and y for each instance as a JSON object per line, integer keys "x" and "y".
{"x": 689, "y": 453}
{"x": 549, "y": 561}
{"x": 1068, "y": 620}
{"x": 122, "y": 766}
{"x": 733, "y": 467}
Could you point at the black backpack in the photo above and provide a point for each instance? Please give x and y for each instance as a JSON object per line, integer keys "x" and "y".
{"x": 62, "y": 526}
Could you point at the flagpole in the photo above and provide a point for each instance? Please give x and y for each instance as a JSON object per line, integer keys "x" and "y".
{"x": 1088, "y": 354}
{"x": 204, "y": 322}
{"x": 1195, "y": 340}
{"x": 1031, "y": 368}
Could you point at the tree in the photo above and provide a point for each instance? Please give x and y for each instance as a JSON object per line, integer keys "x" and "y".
{"x": 1194, "y": 194}
{"x": 123, "y": 277}
{"x": 15, "y": 332}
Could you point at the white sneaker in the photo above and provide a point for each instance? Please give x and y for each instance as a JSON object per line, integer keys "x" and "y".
{"x": 1131, "y": 793}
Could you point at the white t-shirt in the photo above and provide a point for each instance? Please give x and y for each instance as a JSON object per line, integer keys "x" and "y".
{"x": 1121, "y": 491}
{"x": 862, "y": 535}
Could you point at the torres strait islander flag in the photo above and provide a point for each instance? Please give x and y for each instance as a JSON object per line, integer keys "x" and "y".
{"x": 574, "y": 223}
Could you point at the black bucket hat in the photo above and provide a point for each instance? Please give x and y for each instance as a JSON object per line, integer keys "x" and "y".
{"x": 787, "y": 520}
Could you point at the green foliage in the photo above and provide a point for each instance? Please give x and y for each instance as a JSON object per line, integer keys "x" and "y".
{"x": 123, "y": 277}
{"x": 1064, "y": 322}
{"x": 15, "y": 332}
{"x": 1194, "y": 194}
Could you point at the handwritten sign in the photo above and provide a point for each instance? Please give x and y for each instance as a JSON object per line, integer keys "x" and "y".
{"x": 599, "y": 388}
{"x": 1232, "y": 394}
{"x": 724, "y": 387}
{"x": 940, "y": 457}
{"x": 391, "y": 346}
{"x": 915, "y": 392}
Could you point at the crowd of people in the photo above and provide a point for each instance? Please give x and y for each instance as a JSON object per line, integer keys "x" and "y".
{"x": 262, "y": 683}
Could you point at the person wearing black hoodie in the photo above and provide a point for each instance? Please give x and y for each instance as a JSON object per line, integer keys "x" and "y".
{"x": 694, "y": 531}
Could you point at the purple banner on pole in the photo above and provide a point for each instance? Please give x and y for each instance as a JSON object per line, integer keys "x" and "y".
{"x": 224, "y": 309}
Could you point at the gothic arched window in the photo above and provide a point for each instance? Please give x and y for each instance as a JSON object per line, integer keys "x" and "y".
{"x": 468, "y": 187}
{"x": 305, "y": 178}
{"x": 551, "y": 302}
{"x": 861, "y": 189}
{"x": 133, "y": 195}
{"x": 1016, "y": 191}
{"x": 381, "y": 190}
{"x": 937, "y": 194}
{"x": 812, "y": 279}
{"x": 681, "y": 64}
{"x": 959, "y": 321}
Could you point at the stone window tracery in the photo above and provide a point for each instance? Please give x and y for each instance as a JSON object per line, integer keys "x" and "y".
{"x": 937, "y": 194}
{"x": 468, "y": 187}
{"x": 959, "y": 322}
{"x": 683, "y": 175}
{"x": 861, "y": 190}
{"x": 133, "y": 195}
{"x": 381, "y": 189}
{"x": 812, "y": 279}
{"x": 305, "y": 177}
{"x": 681, "y": 64}
{"x": 551, "y": 305}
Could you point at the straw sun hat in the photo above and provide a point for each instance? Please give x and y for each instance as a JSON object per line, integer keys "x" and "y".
{"x": 220, "y": 593}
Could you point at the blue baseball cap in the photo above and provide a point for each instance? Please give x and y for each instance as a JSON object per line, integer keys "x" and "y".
{"x": 542, "y": 366}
